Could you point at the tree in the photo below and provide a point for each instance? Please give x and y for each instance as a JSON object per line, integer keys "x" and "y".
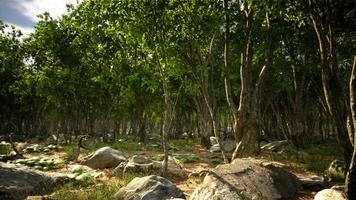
{"x": 245, "y": 117}
{"x": 350, "y": 181}
{"x": 331, "y": 78}
{"x": 11, "y": 64}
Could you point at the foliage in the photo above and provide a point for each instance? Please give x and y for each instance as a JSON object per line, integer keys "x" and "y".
{"x": 315, "y": 158}
{"x": 95, "y": 192}
{"x": 217, "y": 159}
{"x": 110, "y": 68}
{"x": 188, "y": 158}
{"x": 43, "y": 163}
{"x": 5, "y": 148}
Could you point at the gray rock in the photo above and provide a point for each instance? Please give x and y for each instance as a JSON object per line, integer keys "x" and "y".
{"x": 52, "y": 139}
{"x": 143, "y": 164}
{"x": 140, "y": 159}
{"x": 313, "y": 181}
{"x": 275, "y": 145}
{"x": 149, "y": 188}
{"x": 18, "y": 182}
{"x": 247, "y": 178}
{"x": 229, "y": 145}
{"x": 174, "y": 167}
{"x": 119, "y": 170}
{"x": 215, "y": 148}
{"x": 213, "y": 141}
{"x": 137, "y": 167}
{"x": 330, "y": 194}
{"x": 105, "y": 157}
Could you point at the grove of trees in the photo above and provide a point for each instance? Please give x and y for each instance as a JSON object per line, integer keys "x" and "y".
{"x": 242, "y": 69}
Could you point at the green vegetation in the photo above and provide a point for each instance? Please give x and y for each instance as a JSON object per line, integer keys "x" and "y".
{"x": 137, "y": 75}
{"x": 315, "y": 158}
{"x": 93, "y": 192}
{"x": 39, "y": 148}
{"x": 44, "y": 163}
{"x": 188, "y": 158}
{"x": 217, "y": 159}
{"x": 5, "y": 147}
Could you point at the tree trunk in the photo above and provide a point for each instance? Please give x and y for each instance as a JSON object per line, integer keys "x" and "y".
{"x": 350, "y": 181}
{"x": 331, "y": 81}
{"x": 248, "y": 129}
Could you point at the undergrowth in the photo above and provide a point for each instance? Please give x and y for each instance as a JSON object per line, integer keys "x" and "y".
{"x": 314, "y": 158}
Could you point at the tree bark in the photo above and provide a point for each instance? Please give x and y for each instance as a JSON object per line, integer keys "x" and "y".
{"x": 338, "y": 110}
{"x": 350, "y": 181}
{"x": 247, "y": 131}
{"x": 227, "y": 66}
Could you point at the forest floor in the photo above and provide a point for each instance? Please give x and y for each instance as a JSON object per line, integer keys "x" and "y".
{"x": 109, "y": 185}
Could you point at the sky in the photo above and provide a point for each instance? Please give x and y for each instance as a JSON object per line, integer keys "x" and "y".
{"x": 22, "y": 13}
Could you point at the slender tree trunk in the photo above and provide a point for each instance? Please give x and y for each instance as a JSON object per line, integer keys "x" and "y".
{"x": 165, "y": 129}
{"x": 227, "y": 66}
{"x": 245, "y": 126}
{"x": 350, "y": 181}
{"x": 336, "y": 109}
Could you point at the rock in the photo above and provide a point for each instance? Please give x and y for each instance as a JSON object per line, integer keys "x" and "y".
{"x": 330, "y": 194}
{"x": 52, "y": 139}
{"x": 35, "y": 198}
{"x": 143, "y": 164}
{"x": 275, "y": 145}
{"x": 336, "y": 169}
{"x": 313, "y": 181}
{"x": 213, "y": 141}
{"x": 135, "y": 164}
{"x": 119, "y": 170}
{"x": 247, "y": 178}
{"x": 104, "y": 157}
{"x": 149, "y": 188}
{"x": 137, "y": 167}
{"x": 75, "y": 168}
{"x": 338, "y": 187}
{"x": 215, "y": 148}
{"x": 229, "y": 145}
{"x": 18, "y": 182}
{"x": 21, "y": 145}
{"x": 174, "y": 167}
{"x": 140, "y": 159}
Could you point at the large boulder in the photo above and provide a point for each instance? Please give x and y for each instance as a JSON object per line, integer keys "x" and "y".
{"x": 18, "y": 182}
{"x": 139, "y": 163}
{"x": 105, "y": 157}
{"x": 149, "y": 188}
{"x": 330, "y": 194}
{"x": 247, "y": 178}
